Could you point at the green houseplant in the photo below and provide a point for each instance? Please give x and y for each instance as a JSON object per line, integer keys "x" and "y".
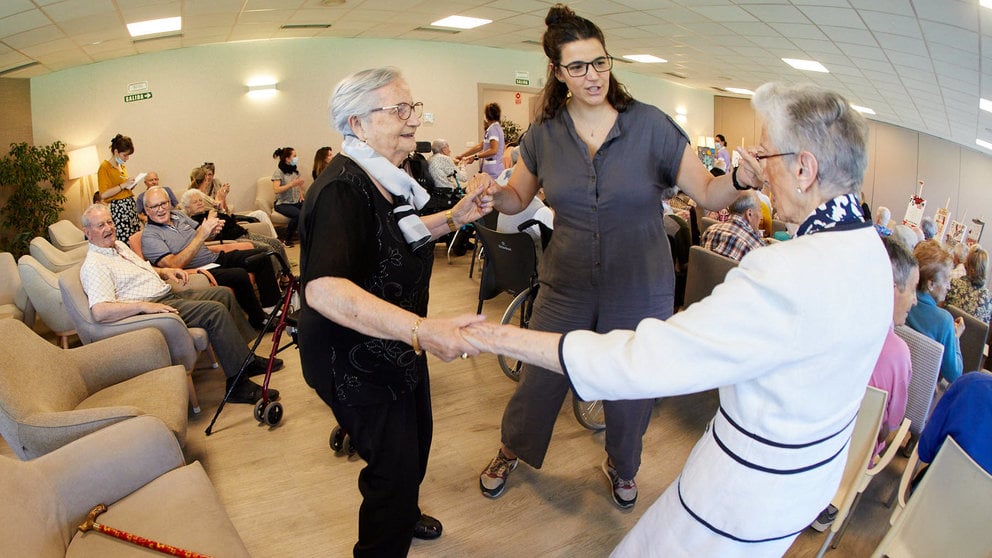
{"x": 511, "y": 131}
{"x": 34, "y": 179}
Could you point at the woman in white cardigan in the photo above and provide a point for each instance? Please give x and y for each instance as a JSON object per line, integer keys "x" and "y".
{"x": 790, "y": 339}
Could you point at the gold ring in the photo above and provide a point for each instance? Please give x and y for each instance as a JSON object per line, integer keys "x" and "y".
{"x": 464, "y": 355}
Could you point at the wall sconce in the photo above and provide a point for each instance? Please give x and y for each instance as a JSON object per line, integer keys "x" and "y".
{"x": 83, "y": 162}
{"x": 681, "y": 116}
{"x": 262, "y": 88}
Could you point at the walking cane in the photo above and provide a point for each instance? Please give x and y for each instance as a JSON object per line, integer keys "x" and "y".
{"x": 91, "y": 523}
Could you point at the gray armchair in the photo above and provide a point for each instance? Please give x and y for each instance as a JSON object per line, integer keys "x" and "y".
{"x": 184, "y": 343}
{"x": 136, "y": 469}
{"x": 265, "y": 199}
{"x": 51, "y": 396}
{"x": 66, "y": 236}
{"x": 54, "y": 259}
{"x": 42, "y": 287}
{"x": 14, "y": 302}
{"x": 707, "y": 269}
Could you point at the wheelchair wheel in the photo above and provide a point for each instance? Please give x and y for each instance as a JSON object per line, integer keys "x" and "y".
{"x": 589, "y": 413}
{"x": 518, "y": 314}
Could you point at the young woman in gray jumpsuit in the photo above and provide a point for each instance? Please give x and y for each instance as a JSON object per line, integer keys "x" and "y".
{"x": 605, "y": 161}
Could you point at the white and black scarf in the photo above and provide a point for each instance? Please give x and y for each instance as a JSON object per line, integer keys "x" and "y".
{"x": 408, "y": 195}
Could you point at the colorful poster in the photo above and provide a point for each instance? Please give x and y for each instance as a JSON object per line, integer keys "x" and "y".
{"x": 956, "y": 232}
{"x": 974, "y": 232}
{"x": 706, "y": 155}
{"x": 941, "y": 219}
{"x": 914, "y": 211}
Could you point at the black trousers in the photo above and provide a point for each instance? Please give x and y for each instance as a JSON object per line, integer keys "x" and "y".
{"x": 394, "y": 439}
{"x": 233, "y": 273}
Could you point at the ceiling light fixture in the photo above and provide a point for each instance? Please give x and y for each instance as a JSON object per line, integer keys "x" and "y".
{"x": 461, "y": 22}
{"x": 645, "y": 58}
{"x": 985, "y": 3}
{"x": 738, "y": 90}
{"x": 985, "y": 104}
{"x": 861, "y": 109}
{"x": 153, "y": 26}
{"x": 983, "y": 143}
{"x": 806, "y": 65}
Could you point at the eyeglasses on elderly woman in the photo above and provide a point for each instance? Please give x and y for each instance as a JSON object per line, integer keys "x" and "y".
{"x": 403, "y": 110}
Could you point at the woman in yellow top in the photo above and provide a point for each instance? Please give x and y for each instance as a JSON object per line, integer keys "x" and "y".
{"x": 116, "y": 188}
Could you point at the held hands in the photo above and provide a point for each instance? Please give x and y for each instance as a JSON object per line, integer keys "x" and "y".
{"x": 478, "y": 201}
{"x": 442, "y": 337}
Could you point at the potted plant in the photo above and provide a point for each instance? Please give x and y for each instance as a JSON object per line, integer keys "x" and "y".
{"x": 511, "y": 131}
{"x": 34, "y": 179}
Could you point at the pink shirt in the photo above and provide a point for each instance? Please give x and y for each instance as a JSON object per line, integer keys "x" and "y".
{"x": 891, "y": 374}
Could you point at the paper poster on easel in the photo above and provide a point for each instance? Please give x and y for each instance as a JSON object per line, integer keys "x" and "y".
{"x": 956, "y": 232}
{"x": 974, "y": 232}
{"x": 914, "y": 211}
{"x": 941, "y": 219}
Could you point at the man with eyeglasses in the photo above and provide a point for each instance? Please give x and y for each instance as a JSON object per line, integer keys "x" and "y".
{"x": 171, "y": 239}
{"x": 119, "y": 284}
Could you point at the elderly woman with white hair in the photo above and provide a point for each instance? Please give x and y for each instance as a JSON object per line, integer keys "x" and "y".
{"x": 196, "y": 204}
{"x": 442, "y": 168}
{"x": 790, "y": 390}
{"x": 366, "y": 259}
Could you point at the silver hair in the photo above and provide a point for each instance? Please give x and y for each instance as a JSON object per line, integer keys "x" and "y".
{"x": 745, "y": 201}
{"x": 929, "y": 228}
{"x": 902, "y": 260}
{"x": 905, "y": 235}
{"x": 188, "y": 196}
{"x": 352, "y": 96}
{"x": 806, "y": 117}
{"x": 883, "y": 215}
{"x": 438, "y": 145}
{"x": 85, "y": 219}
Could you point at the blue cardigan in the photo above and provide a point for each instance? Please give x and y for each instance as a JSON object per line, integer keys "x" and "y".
{"x": 937, "y": 324}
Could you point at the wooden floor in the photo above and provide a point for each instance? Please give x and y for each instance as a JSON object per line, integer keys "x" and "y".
{"x": 289, "y": 495}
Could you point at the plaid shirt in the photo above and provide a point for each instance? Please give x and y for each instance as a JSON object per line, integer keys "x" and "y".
{"x": 733, "y": 238}
{"x": 118, "y": 275}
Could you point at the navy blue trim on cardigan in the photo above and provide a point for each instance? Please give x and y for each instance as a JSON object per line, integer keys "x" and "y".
{"x": 724, "y": 533}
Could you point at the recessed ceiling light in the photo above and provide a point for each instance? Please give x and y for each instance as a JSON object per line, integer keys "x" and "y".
{"x": 985, "y": 104}
{"x": 645, "y": 58}
{"x": 807, "y": 65}
{"x": 461, "y": 22}
{"x": 983, "y": 143}
{"x": 738, "y": 90}
{"x": 153, "y": 26}
{"x": 861, "y": 109}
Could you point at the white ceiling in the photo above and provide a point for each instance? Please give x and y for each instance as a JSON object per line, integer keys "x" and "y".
{"x": 918, "y": 63}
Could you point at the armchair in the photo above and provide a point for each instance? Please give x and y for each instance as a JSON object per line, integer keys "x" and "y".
{"x": 66, "y": 236}
{"x": 183, "y": 343}
{"x": 51, "y": 396}
{"x": 265, "y": 200}
{"x": 54, "y": 259}
{"x": 136, "y": 469}
{"x": 42, "y": 287}
{"x": 14, "y": 302}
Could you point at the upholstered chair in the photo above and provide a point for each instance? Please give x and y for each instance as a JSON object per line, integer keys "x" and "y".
{"x": 66, "y": 236}
{"x": 42, "y": 288}
{"x": 54, "y": 259}
{"x": 14, "y": 301}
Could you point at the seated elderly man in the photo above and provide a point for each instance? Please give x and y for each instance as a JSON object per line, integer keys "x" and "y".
{"x": 151, "y": 181}
{"x": 171, "y": 239}
{"x": 739, "y": 234}
{"x": 442, "y": 168}
{"x": 194, "y": 203}
{"x": 120, "y": 284}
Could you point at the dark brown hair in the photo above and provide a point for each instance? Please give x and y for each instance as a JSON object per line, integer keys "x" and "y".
{"x": 122, "y": 144}
{"x": 565, "y": 27}
{"x": 493, "y": 112}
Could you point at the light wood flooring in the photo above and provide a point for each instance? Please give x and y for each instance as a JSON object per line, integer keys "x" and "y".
{"x": 289, "y": 495}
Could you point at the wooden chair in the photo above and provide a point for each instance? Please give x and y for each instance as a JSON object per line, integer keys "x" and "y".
{"x": 948, "y": 513}
{"x": 976, "y": 333}
{"x": 707, "y": 269}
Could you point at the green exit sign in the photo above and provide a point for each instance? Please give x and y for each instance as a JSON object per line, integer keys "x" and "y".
{"x": 138, "y": 97}
{"x": 523, "y": 81}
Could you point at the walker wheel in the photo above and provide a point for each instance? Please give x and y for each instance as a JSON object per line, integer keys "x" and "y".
{"x": 337, "y": 439}
{"x": 260, "y": 411}
{"x": 273, "y": 413}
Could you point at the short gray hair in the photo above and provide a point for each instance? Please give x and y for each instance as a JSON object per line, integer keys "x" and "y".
{"x": 188, "y": 196}
{"x": 352, "y": 96}
{"x": 85, "y": 219}
{"x": 902, "y": 260}
{"x": 806, "y": 117}
{"x": 906, "y": 235}
{"x": 745, "y": 201}
{"x": 438, "y": 145}
{"x": 883, "y": 215}
{"x": 929, "y": 228}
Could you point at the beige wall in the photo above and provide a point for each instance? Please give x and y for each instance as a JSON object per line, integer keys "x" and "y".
{"x": 200, "y": 112}
{"x": 898, "y": 159}
{"x": 15, "y": 113}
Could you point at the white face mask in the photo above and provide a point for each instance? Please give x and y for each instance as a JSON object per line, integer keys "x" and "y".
{"x": 119, "y": 160}
{"x": 296, "y": 160}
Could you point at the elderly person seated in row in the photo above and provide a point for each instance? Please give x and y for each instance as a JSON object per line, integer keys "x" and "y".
{"x": 216, "y": 194}
{"x": 969, "y": 293}
{"x": 740, "y": 234}
{"x": 172, "y": 239}
{"x": 119, "y": 284}
{"x": 882, "y": 218}
{"x": 442, "y": 168}
{"x": 194, "y": 203}
{"x": 930, "y": 319}
{"x": 151, "y": 181}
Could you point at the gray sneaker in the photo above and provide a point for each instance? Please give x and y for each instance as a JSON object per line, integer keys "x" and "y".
{"x": 624, "y": 491}
{"x": 492, "y": 481}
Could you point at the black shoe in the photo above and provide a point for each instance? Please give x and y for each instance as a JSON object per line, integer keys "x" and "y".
{"x": 249, "y": 392}
{"x": 427, "y": 528}
{"x": 258, "y": 365}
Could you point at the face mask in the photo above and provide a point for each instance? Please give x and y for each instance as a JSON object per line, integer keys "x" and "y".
{"x": 295, "y": 160}
{"x": 119, "y": 160}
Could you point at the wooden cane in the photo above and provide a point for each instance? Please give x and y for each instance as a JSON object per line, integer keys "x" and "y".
{"x": 91, "y": 523}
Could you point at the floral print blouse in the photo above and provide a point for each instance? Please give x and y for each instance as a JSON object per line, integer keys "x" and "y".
{"x": 973, "y": 300}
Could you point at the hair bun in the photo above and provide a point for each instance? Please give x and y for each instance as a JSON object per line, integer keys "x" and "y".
{"x": 557, "y": 14}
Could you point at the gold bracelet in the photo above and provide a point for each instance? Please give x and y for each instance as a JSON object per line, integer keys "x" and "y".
{"x": 451, "y": 221}
{"x": 414, "y": 341}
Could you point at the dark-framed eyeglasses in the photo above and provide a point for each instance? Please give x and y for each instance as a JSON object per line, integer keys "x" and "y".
{"x": 762, "y": 156}
{"x": 403, "y": 110}
{"x": 159, "y": 205}
{"x": 580, "y": 68}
